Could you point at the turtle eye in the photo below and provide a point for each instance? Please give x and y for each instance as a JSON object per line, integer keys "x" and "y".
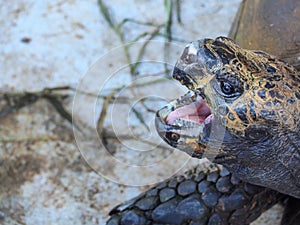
{"x": 227, "y": 88}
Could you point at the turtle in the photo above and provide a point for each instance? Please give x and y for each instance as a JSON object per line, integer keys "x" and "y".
{"x": 243, "y": 111}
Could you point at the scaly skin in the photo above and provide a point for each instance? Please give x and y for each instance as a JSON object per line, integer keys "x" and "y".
{"x": 213, "y": 197}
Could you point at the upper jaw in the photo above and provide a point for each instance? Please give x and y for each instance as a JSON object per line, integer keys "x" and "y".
{"x": 197, "y": 65}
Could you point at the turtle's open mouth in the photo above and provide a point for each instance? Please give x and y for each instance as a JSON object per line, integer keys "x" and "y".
{"x": 185, "y": 123}
{"x": 196, "y": 111}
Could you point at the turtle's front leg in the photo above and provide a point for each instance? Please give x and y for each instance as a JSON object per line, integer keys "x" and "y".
{"x": 211, "y": 197}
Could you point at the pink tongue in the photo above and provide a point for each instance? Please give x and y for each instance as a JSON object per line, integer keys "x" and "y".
{"x": 196, "y": 111}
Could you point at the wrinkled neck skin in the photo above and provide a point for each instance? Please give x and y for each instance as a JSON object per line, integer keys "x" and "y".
{"x": 279, "y": 152}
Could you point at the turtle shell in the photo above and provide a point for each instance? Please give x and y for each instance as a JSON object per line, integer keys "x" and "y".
{"x": 270, "y": 26}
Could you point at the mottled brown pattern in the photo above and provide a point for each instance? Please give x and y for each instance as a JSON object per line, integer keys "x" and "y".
{"x": 270, "y": 87}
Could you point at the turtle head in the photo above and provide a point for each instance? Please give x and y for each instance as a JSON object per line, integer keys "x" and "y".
{"x": 242, "y": 108}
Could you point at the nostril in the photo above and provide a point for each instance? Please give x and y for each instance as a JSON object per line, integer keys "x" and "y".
{"x": 178, "y": 74}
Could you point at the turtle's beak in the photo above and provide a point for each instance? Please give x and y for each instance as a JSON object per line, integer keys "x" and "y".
{"x": 195, "y": 67}
{"x": 186, "y": 122}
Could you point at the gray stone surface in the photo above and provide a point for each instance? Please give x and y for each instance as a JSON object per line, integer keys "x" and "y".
{"x": 44, "y": 178}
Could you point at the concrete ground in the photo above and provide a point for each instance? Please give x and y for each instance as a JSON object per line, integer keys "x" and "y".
{"x": 54, "y": 173}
